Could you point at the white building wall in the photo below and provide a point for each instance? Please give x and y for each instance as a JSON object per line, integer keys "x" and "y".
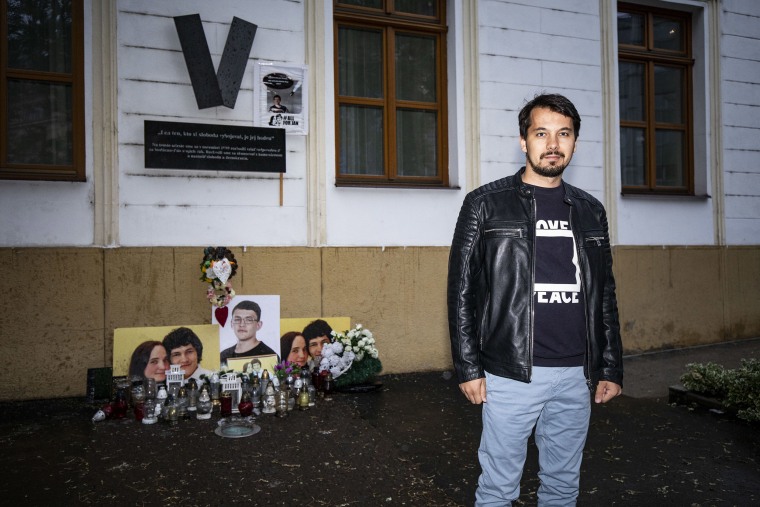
{"x": 527, "y": 48}
{"x": 740, "y": 45}
{"x": 670, "y": 220}
{"x": 53, "y": 213}
{"x": 189, "y": 207}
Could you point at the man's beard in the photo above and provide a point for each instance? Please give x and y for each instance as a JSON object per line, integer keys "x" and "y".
{"x": 549, "y": 171}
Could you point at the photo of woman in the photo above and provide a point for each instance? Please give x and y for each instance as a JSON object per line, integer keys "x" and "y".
{"x": 149, "y": 360}
{"x": 293, "y": 348}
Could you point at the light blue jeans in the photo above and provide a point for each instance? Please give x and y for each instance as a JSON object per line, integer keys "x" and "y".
{"x": 558, "y": 403}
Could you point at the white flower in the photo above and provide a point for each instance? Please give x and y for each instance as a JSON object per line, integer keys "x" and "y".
{"x": 327, "y": 351}
{"x": 337, "y": 348}
{"x": 373, "y": 354}
{"x": 360, "y": 356}
{"x": 335, "y": 371}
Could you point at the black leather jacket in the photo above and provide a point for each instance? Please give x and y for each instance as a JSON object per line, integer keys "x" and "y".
{"x": 491, "y": 275}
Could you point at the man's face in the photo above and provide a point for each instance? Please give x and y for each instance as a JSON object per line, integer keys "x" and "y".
{"x": 549, "y": 144}
{"x": 245, "y": 323}
{"x": 185, "y": 356}
{"x": 316, "y": 344}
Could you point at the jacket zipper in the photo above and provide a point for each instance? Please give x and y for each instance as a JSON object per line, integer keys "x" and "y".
{"x": 597, "y": 239}
{"x": 513, "y": 233}
{"x": 581, "y": 262}
{"x": 532, "y": 223}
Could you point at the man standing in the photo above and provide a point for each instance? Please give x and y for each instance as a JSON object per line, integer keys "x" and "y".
{"x": 533, "y": 317}
{"x": 246, "y": 322}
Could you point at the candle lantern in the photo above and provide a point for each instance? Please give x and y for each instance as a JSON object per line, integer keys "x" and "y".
{"x": 204, "y": 404}
{"x": 245, "y": 407}
{"x": 268, "y": 401}
{"x": 216, "y": 388}
{"x": 282, "y": 402}
{"x": 192, "y": 395}
{"x": 120, "y": 404}
{"x": 329, "y": 386}
{"x": 150, "y": 389}
{"x": 149, "y": 411}
{"x": 226, "y": 403}
{"x": 303, "y": 400}
{"x": 182, "y": 402}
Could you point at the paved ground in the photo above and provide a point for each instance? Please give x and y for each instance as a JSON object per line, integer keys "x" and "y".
{"x": 413, "y": 443}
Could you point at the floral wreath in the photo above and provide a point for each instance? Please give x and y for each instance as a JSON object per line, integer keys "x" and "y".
{"x": 217, "y": 267}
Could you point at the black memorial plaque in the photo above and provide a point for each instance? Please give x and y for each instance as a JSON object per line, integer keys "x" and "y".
{"x": 174, "y": 145}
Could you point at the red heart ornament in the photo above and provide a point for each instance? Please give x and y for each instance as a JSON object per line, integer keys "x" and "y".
{"x": 221, "y": 315}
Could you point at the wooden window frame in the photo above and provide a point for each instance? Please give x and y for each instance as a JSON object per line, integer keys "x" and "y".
{"x": 52, "y": 172}
{"x": 651, "y": 56}
{"x": 390, "y": 23}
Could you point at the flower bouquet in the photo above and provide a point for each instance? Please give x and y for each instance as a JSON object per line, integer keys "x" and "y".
{"x": 286, "y": 368}
{"x": 217, "y": 267}
{"x": 351, "y": 357}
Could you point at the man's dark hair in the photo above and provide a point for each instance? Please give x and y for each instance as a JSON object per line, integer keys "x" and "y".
{"x": 181, "y": 337}
{"x": 553, "y": 102}
{"x": 248, "y": 305}
{"x": 276, "y": 97}
{"x": 315, "y": 329}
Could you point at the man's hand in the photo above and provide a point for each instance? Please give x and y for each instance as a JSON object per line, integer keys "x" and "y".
{"x": 474, "y": 390}
{"x": 606, "y": 390}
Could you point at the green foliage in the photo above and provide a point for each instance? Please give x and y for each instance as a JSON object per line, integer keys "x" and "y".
{"x": 360, "y": 372}
{"x": 737, "y": 389}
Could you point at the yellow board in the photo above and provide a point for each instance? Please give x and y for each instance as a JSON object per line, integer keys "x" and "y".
{"x": 126, "y": 339}
{"x": 339, "y": 324}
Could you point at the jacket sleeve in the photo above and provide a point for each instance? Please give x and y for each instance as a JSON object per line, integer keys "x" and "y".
{"x": 465, "y": 271}
{"x": 612, "y": 354}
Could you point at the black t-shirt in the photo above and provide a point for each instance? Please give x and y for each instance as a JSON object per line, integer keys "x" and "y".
{"x": 262, "y": 349}
{"x": 559, "y": 325}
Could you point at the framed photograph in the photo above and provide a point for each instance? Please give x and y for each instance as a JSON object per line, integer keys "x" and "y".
{"x": 266, "y": 330}
{"x": 280, "y": 97}
{"x": 256, "y": 363}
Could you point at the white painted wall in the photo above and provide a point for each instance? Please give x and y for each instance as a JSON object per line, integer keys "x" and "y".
{"x": 525, "y": 47}
{"x": 188, "y": 207}
{"x": 740, "y": 50}
{"x": 53, "y": 213}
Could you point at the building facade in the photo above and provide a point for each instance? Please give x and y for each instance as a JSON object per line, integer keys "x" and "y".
{"x": 408, "y": 109}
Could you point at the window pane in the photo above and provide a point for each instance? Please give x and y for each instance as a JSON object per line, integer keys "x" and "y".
{"x": 632, "y": 96}
{"x": 39, "y": 35}
{"x": 630, "y": 28}
{"x": 39, "y": 123}
{"x": 670, "y": 158}
{"x": 633, "y": 156}
{"x": 415, "y": 68}
{"x": 361, "y": 140}
{"x": 668, "y": 94}
{"x": 360, "y": 63}
{"x": 668, "y": 33}
{"x": 422, "y": 7}
{"x": 417, "y": 143}
{"x": 374, "y": 4}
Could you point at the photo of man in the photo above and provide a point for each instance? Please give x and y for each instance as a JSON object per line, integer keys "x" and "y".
{"x": 185, "y": 349}
{"x": 246, "y": 322}
{"x": 277, "y": 107}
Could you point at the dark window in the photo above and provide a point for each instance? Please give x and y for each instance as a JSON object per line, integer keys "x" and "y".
{"x": 390, "y": 92}
{"x": 41, "y": 90}
{"x": 655, "y": 72}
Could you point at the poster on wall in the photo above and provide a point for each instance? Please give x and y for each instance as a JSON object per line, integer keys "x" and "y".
{"x": 252, "y": 329}
{"x": 281, "y": 98}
